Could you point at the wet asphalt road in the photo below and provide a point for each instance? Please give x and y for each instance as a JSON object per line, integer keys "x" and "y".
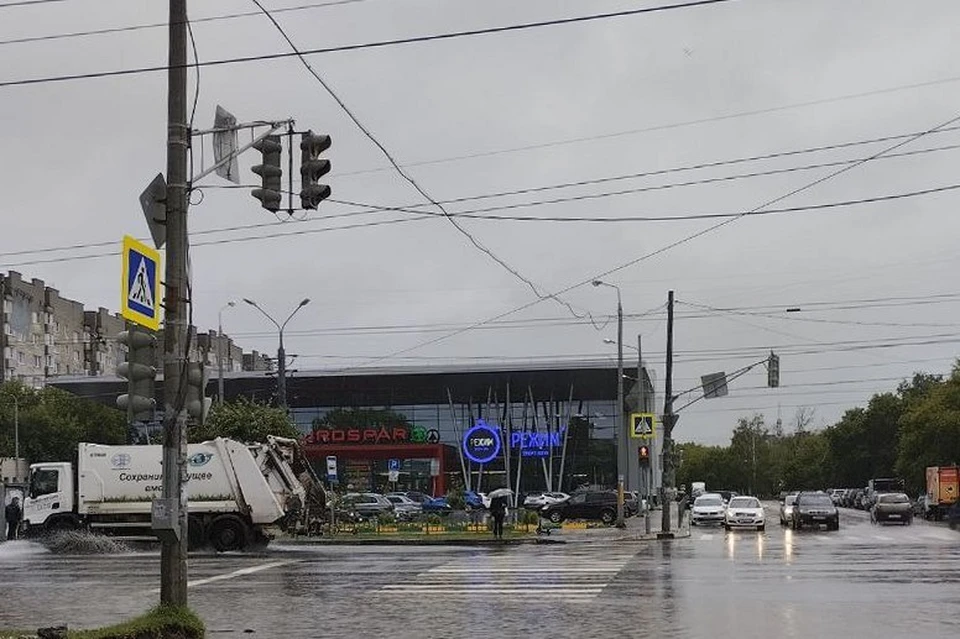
{"x": 863, "y": 581}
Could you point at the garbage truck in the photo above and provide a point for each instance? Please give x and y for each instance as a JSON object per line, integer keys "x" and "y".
{"x": 238, "y": 494}
{"x": 943, "y": 491}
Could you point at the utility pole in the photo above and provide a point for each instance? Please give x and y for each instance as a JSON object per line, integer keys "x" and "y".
{"x": 173, "y": 548}
{"x": 281, "y": 353}
{"x": 229, "y": 304}
{"x": 669, "y": 419}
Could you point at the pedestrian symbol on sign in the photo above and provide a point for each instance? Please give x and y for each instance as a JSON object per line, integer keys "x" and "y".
{"x": 643, "y": 425}
{"x": 140, "y": 289}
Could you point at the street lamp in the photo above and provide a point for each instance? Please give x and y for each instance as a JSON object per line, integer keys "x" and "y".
{"x": 622, "y": 462}
{"x": 281, "y": 355}
{"x": 229, "y": 304}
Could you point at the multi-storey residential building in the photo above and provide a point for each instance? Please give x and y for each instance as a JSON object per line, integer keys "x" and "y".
{"x": 45, "y": 335}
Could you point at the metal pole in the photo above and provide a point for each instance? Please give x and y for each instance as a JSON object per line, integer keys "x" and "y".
{"x": 622, "y": 461}
{"x": 220, "y": 356}
{"x": 282, "y": 375}
{"x": 173, "y": 550}
{"x": 16, "y": 431}
{"x": 642, "y": 405}
{"x": 668, "y": 421}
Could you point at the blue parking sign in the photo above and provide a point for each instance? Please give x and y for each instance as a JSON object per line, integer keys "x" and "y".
{"x": 394, "y": 464}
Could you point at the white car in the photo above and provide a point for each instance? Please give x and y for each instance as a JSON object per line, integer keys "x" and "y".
{"x": 744, "y": 512}
{"x": 708, "y": 509}
{"x": 538, "y": 500}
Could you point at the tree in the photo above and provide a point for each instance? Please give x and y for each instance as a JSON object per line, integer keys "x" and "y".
{"x": 245, "y": 420}
{"x": 360, "y": 418}
{"x": 929, "y": 429}
{"x": 53, "y": 422}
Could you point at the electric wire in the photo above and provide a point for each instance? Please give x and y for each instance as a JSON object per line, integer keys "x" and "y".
{"x": 663, "y": 249}
{"x": 409, "y": 179}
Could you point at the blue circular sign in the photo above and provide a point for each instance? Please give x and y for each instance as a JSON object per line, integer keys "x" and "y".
{"x": 481, "y": 444}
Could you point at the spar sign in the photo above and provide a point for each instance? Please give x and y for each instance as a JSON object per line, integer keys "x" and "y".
{"x": 481, "y": 444}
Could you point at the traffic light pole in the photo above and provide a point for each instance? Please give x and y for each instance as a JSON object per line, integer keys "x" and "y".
{"x": 173, "y": 549}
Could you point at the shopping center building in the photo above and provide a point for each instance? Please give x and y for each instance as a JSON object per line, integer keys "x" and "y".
{"x": 531, "y": 427}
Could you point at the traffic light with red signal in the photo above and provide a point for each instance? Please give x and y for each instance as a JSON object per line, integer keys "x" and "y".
{"x": 643, "y": 454}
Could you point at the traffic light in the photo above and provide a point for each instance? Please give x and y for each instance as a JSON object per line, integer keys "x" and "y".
{"x": 643, "y": 453}
{"x": 140, "y": 372}
{"x": 197, "y": 404}
{"x": 270, "y": 173}
{"x": 773, "y": 370}
{"x": 312, "y": 168}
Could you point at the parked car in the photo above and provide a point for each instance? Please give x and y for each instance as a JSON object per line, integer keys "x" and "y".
{"x": 892, "y": 507}
{"x": 436, "y": 506}
{"x": 416, "y": 496}
{"x": 535, "y": 501}
{"x": 786, "y": 508}
{"x": 475, "y": 500}
{"x": 814, "y": 509}
{"x": 403, "y": 506}
{"x": 594, "y": 505}
{"x": 367, "y": 504}
{"x": 708, "y": 508}
{"x": 744, "y": 512}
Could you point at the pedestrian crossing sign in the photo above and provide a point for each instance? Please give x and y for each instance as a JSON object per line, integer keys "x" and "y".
{"x": 140, "y": 284}
{"x": 643, "y": 425}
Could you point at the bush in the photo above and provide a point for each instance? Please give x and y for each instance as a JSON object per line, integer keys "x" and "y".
{"x": 457, "y": 500}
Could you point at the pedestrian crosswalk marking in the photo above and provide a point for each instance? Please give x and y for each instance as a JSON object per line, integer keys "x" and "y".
{"x": 571, "y": 578}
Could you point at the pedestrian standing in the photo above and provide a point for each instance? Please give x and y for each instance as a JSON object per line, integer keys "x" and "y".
{"x": 14, "y": 514}
{"x": 498, "y": 509}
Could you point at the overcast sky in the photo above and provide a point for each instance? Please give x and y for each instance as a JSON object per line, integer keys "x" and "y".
{"x": 529, "y": 109}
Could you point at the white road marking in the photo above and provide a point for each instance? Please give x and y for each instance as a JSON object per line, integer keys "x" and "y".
{"x": 568, "y": 578}
{"x": 243, "y": 572}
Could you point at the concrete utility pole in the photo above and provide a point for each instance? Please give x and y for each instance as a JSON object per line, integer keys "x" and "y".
{"x": 669, "y": 419}
{"x": 281, "y": 353}
{"x": 173, "y": 548}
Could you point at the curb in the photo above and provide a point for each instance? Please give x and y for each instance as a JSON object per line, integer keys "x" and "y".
{"x": 492, "y": 543}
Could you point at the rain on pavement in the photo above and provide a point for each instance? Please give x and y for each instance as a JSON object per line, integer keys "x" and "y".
{"x": 864, "y": 580}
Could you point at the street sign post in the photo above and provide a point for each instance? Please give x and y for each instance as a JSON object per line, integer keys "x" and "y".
{"x": 643, "y": 425}
{"x": 140, "y": 284}
{"x": 332, "y": 469}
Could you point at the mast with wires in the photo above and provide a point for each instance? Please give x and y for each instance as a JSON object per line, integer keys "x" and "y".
{"x": 170, "y": 512}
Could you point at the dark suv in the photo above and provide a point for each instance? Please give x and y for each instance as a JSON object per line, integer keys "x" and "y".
{"x": 814, "y": 509}
{"x": 600, "y": 506}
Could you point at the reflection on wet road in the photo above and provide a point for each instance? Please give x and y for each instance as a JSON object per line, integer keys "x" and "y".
{"x": 863, "y": 580}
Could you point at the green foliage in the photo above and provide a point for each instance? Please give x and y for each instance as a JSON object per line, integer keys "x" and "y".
{"x": 930, "y": 430}
{"x": 360, "y": 418}
{"x": 457, "y": 499}
{"x": 896, "y": 434}
{"x": 160, "y": 623}
{"x": 244, "y": 420}
{"x": 53, "y": 422}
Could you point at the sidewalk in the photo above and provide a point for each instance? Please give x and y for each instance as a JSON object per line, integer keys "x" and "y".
{"x": 635, "y": 530}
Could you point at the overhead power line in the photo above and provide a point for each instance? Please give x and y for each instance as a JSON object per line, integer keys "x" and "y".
{"x": 443, "y": 211}
{"x": 25, "y": 3}
{"x": 375, "y": 44}
{"x": 163, "y": 25}
{"x": 420, "y": 216}
{"x": 667, "y": 247}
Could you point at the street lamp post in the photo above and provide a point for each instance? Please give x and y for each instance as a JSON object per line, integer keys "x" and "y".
{"x": 229, "y": 304}
{"x": 281, "y": 354}
{"x": 622, "y": 461}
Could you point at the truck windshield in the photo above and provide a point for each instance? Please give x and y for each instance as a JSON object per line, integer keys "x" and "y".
{"x": 44, "y": 482}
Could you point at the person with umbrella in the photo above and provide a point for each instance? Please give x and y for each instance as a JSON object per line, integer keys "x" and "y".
{"x": 498, "y": 509}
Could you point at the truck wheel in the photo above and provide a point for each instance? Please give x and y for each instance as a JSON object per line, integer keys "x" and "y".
{"x": 228, "y": 533}
{"x": 196, "y": 533}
